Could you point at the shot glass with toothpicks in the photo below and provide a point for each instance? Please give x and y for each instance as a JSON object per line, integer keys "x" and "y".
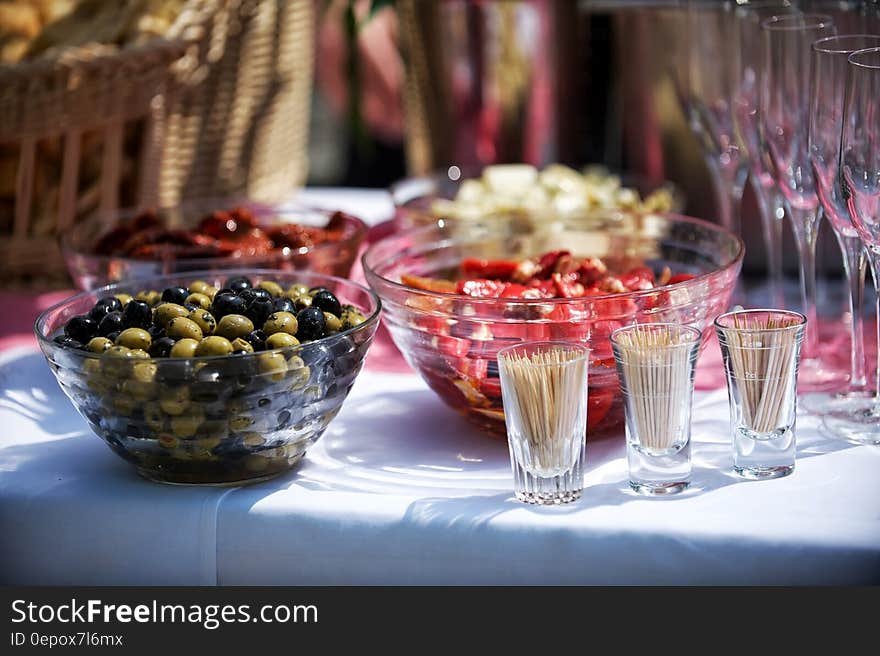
{"x": 761, "y": 351}
{"x": 655, "y": 365}
{"x": 544, "y": 388}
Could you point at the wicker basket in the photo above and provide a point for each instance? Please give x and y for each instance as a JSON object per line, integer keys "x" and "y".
{"x": 217, "y": 108}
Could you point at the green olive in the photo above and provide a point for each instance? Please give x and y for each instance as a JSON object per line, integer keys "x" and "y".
{"x": 234, "y": 325}
{"x": 183, "y": 328}
{"x": 138, "y": 390}
{"x": 281, "y": 340}
{"x": 214, "y": 345}
{"x": 174, "y": 400}
{"x": 125, "y": 404}
{"x": 99, "y": 344}
{"x": 201, "y": 300}
{"x": 239, "y": 344}
{"x": 253, "y": 439}
{"x": 134, "y": 338}
{"x": 295, "y": 362}
{"x": 240, "y": 422}
{"x": 302, "y": 302}
{"x": 122, "y": 298}
{"x": 144, "y": 372}
{"x": 151, "y": 297}
{"x": 167, "y": 441}
{"x": 115, "y": 361}
{"x": 351, "y": 318}
{"x": 210, "y": 292}
{"x": 273, "y": 365}
{"x": 272, "y": 287}
{"x": 299, "y": 377}
{"x": 185, "y": 348}
{"x": 296, "y": 290}
{"x": 205, "y": 320}
{"x": 187, "y": 425}
{"x": 168, "y": 311}
{"x": 332, "y": 323}
{"x": 280, "y": 322}
{"x": 153, "y": 417}
{"x": 92, "y": 366}
{"x": 198, "y": 287}
{"x": 139, "y": 354}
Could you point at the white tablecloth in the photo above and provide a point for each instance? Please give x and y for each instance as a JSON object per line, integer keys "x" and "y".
{"x": 402, "y": 490}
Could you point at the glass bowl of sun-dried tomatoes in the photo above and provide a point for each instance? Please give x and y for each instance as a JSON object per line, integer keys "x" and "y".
{"x": 453, "y": 294}
{"x": 212, "y": 235}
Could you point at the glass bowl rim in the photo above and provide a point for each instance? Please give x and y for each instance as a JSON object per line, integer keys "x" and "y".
{"x": 437, "y": 176}
{"x": 47, "y": 343}
{"x": 818, "y": 44}
{"x": 440, "y": 224}
{"x": 864, "y": 51}
{"x": 225, "y": 204}
{"x": 809, "y": 21}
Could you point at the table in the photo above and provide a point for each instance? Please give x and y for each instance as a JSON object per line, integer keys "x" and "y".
{"x": 401, "y": 490}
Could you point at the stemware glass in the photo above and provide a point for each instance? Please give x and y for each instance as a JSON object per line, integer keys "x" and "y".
{"x": 710, "y": 45}
{"x": 745, "y": 62}
{"x": 783, "y": 126}
{"x": 829, "y": 70}
{"x": 860, "y": 191}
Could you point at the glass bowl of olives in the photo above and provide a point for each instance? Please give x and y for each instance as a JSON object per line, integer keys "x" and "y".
{"x": 202, "y": 378}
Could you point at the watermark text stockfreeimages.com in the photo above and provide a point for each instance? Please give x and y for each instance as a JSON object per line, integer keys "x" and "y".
{"x": 209, "y": 616}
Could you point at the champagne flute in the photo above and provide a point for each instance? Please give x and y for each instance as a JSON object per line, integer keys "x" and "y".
{"x": 709, "y": 53}
{"x": 860, "y": 190}
{"x": 829, "y": 70}
{"x": 783, "y": 125}
{"x": 746, "y": 58}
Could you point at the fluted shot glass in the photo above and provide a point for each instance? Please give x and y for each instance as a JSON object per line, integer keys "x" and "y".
{"x": 761, "y": 352}
{"x": 656, "y": 365}
{"x": 544, "y": 389}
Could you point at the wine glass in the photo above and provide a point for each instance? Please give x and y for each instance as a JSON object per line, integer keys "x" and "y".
{"x": 829, "y": 69}
{"x": 859, "y": 178}
{"x": 745, "y": 61}
{"x": 709, "y": 51}
{"x": 783, "y": 126}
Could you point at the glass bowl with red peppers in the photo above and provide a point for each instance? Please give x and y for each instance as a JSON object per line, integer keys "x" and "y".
{"x": 213, "y": 235}
{"x": 453, "y": 295}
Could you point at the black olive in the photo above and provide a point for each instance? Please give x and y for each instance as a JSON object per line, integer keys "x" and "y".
{"x": 161, "y": 348}
{"x": 156, "y": 332}
{"x": 284, "y": 304}
{"x": 259, "y": 310}
{"x": 257, "y": 339}
{"x": 239, "y": 283}
{"x": 81, "y": 328}
{"x": 68, "y": 342}
{"x": 227, "y": 304}
{"x": 192, "y": 306}
{"x": 326, "y": 301}
{"x": 315, "y": 290}
{"x": 137, "y": 314}
{"x": 175, "y": 295}
{"x": 104, "y": 307}
{"x": 111, "y": 323}
{"x": 310, "y": 324}
{"x": 226, "y": 290}
{"x": 253, "y": 293}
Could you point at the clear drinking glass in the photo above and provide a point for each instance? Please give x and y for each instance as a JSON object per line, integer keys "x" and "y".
{"x": 829, "y": 69}
{"x": 761, "y": 351}
{"x": 655, "y": 366}
{"x": 711, "y": 45}
{"x": 746, "y": 61}
{"x": 544, "y": 389}
{"x": 859, "y": 178}
{"x": 784, "y": 124}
